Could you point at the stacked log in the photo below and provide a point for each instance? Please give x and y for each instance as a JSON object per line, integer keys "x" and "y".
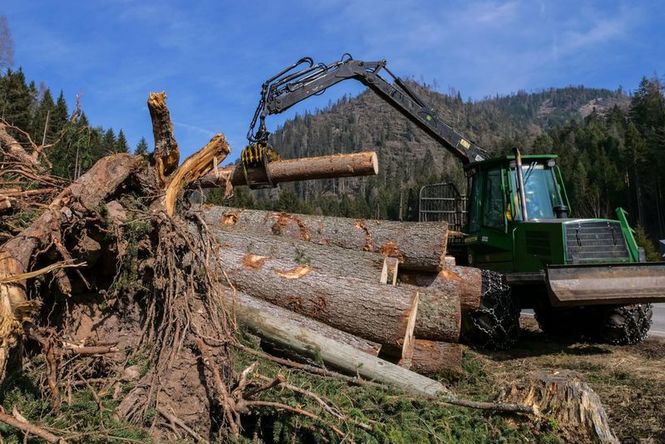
{"x": 418, "y": 246}
{"x": 328, "y": 269}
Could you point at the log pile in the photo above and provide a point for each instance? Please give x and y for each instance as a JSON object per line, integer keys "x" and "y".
{"x": 117, "y": 269}
{"x": 330, "y": 270}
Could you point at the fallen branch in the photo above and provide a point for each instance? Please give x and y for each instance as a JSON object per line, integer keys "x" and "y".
{"x": 180, "y": 423}
{"x": 194, "y": 167}
{"x": 31, "y": 429}
{"x": 33, "y": 274}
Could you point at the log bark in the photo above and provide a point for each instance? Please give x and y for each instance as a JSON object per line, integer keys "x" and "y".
{"x": 15, "y": 255}
{"x": 337, "y": 354}
{"x": 379, "y": 313}
{"x": 468, "y": 281}
{"x": 419, "y": 246}
{"x": 310, "y": 168}
{"x": 435, "y": 357}
{"x": 438, "y": 316}
{"x": 245, "y": 305}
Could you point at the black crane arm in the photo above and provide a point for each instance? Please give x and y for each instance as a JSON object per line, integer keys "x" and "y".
{"x": 290, "y": 86}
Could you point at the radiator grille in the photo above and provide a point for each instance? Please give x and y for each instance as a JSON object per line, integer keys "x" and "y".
{"x": 595, "y": 241}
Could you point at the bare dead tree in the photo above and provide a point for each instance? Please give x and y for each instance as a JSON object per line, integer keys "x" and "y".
{"x": 6, "y": 44}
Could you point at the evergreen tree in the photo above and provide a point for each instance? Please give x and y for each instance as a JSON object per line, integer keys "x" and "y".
{"x": 108, "y": 142}
{"x": 16, "y": 99}
{"x": 43, "y": 116}
{"x": 121, "y": 145}
{"x": 60, "y": 116}
{"x": 141, "y": 147}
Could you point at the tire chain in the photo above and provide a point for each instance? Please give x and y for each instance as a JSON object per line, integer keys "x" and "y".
{"x": 495, "y": 325}
{"x": 632, "y": 327}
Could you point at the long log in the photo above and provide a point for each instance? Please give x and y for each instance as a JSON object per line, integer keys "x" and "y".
{"x": 435, "y": 357}
{"x": 335, "y": 353}
{"x": 379, "y": 313}
{"x": 419, "y": 246}
{"x": 244, "y": 305}
{"x": 438, "y": 317}
{"x": 309, "y": 168}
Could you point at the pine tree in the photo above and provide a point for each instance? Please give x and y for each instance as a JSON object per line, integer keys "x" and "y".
{"x": 108, "y": 141}
{"x": 16, "y": 99}
{"x": 42, "y": 117}
{"x": 59, "y": 117}
{"x": 141, "y": 147}
{"x": 121, "y": 145}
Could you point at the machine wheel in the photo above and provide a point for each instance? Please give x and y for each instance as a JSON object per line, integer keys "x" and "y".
{"x": 565, "y": 323}
{"x": 627, "y": 324}
{"x": 495, "y": 324}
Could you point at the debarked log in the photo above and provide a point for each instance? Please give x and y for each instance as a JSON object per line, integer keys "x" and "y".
{"x": 418, "y": 246}
{"x": 309, "y": 168}
{"x": 438, "y": 317}
{"x": 336, "y": 354}
{"x": 245, "y": 306}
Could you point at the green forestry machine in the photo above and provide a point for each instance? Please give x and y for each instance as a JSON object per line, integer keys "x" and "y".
{"x": 584, "y": 278}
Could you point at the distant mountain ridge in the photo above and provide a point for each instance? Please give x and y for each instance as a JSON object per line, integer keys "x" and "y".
{"x": 407, "y": 154}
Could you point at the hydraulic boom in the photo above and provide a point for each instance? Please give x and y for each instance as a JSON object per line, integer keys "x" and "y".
{"x": 305, "y": 79}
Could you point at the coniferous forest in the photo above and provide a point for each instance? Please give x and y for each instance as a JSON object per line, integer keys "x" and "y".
{"x": 611, "y": 147}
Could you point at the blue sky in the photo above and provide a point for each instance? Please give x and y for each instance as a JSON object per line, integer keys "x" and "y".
{"x": 212, "y": 56}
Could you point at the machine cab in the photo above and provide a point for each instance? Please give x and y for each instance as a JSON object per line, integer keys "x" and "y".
{"x": 495, "y": 197}
{"x": 499, "y": 210}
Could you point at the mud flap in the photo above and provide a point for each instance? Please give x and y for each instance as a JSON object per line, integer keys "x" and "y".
{"x": 621, "y": 284}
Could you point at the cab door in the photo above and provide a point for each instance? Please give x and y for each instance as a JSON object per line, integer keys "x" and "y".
{"x": 490, "y": 245}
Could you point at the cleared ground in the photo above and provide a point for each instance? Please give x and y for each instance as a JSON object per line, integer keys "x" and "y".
{"x": 658, "y": 326}
{"x": 630, "y": 380}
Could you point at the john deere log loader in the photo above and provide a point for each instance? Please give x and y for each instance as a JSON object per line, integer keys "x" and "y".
{"x": 583, "y": 277}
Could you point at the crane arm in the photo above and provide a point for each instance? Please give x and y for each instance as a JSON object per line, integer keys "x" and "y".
{"x": 291, "y": 86}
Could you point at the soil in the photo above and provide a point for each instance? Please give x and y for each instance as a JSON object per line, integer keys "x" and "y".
{"x": 630, "y": 380}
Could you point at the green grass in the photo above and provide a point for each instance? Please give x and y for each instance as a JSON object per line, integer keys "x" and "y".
{"x": 84, "y": 419}
{"x": 394, "y": 417}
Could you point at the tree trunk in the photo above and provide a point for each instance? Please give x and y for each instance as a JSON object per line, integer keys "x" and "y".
{"x": 244, "y": 306}
{"x": 435, "y": 357}
{"x": 418, "y": 245}
{"x": 309, "y": 168}
{"x": 379, "y": 313}
{"x": 438, "y": 316}
{"x": 166, "y": 153}
{"x": 335, "y": 353}
{"x": 567, "y": 400}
